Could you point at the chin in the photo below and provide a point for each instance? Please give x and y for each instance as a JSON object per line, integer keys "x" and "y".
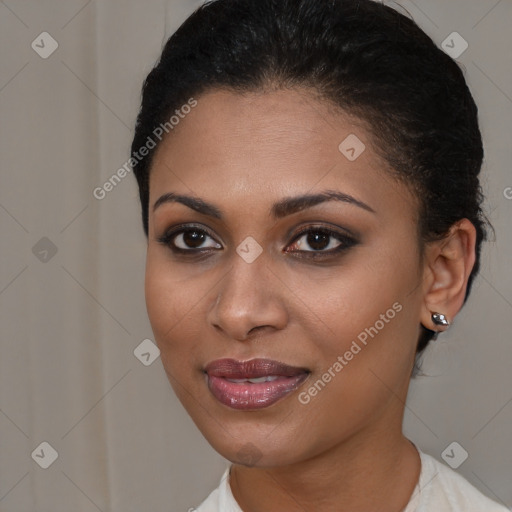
{"x": 253, "y": 446}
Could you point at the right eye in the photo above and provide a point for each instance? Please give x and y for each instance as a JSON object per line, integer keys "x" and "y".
{"x": 189, "y": 240}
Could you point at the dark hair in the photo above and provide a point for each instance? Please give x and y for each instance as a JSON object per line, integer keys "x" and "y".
{"x": 365, "y": 58}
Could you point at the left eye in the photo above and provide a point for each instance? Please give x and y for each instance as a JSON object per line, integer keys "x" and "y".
{"x": 320, "y": 240}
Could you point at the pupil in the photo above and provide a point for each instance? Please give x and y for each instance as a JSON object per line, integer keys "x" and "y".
{"x": 193, "y": 238}
{"x": 318, "y": 240}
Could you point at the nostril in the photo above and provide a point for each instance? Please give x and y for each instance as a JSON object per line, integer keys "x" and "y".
{"x": 259, "y": 327}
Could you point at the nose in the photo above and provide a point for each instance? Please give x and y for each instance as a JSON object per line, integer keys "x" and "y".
{"x": 250, "y": 301}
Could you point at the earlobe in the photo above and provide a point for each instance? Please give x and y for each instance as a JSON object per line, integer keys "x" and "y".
{"x": 448, "y": 264}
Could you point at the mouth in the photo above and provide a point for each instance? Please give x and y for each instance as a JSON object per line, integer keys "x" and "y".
{"x": 254, "y": 384}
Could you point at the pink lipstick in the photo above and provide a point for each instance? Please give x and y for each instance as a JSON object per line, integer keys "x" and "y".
{"x": 253, "y": 384}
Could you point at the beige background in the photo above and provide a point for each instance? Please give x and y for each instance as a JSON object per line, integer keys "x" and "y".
{"x": 70, "y": 321}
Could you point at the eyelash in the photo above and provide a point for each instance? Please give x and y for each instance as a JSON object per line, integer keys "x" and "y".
{"x": 346, "y": 241}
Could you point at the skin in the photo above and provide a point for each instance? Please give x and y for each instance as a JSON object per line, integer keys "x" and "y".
{"x": 344, "y": 450}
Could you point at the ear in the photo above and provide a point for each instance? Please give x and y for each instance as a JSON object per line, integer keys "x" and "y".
{"x": 448, "y": 264}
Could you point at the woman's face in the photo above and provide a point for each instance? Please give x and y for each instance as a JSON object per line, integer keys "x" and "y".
{"x": 321, "y": 295}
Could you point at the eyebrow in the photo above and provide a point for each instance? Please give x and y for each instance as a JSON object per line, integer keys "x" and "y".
{"x": 282, "y": 208}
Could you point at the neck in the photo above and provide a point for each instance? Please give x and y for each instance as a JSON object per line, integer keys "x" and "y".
{"x": 373, "y": 470}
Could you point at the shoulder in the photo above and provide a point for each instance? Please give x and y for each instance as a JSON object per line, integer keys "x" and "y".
{"x": 220, "y": 499}
{"x": 442, "y": 489}
{"x": 210, "y": 504}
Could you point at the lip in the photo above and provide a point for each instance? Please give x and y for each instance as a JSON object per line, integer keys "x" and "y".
{"x": 247, "y": 395}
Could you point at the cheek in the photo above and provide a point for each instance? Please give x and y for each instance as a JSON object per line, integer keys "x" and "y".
{"x": 160, "y": 304}
{"x": 366, "y": 314}
{"x": 177, "y": 306}
{"x": 169, "y": 301}
{"x": 173, "y": 312}
{"x": 349, "y": 299}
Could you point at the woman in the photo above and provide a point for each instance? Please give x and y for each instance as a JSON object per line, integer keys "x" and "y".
{"x": 309, "y": 188}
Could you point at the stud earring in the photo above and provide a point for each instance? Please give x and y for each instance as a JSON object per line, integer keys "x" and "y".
{"x": 440, "y": 319}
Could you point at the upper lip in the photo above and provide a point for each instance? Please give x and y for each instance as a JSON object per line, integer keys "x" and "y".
{"x": 252, "y": 369}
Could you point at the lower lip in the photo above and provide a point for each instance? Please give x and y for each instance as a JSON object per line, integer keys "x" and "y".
{"x": 246, "y": 395}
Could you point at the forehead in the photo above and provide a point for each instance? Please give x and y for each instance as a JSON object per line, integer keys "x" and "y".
{"x": 265, "y": 145}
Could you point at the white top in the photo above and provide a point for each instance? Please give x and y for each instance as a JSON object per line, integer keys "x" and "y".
{"x": 439, "y": 489}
